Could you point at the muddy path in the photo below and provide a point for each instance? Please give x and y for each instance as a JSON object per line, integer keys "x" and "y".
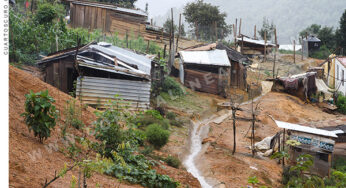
{"x": 199, "y": 130}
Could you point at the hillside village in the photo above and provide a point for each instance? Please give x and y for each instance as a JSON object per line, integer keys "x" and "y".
{"x": 100, "y": 96}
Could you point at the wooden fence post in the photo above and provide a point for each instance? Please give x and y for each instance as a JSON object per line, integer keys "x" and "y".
{"x": 294, "y": 51}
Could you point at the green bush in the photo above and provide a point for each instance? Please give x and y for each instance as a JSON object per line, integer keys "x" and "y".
{"x": 40, "y": 114}
{"x": 341, "y": 104}
{"x": 151, "y": 117}
{"x": 170, "y": 85}
{"x": 171, "y": 116}
{"x": 46, "y": 13}
{"x": 72, "y": 114}
{"x": 156, "y": 135}
{"x": 322, "y": 53}
{"x": 172, "y": 161}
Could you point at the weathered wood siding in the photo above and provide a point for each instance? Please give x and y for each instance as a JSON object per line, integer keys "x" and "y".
{"x": 201, "y": 81}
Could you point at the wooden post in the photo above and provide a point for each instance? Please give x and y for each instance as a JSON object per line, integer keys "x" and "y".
{"x": 294, "y": 51}
{"x": 127, "y": 39}
{"x": 236, "y": 26}
{"x": 162, "y": 35}
{"x": 239, "y": 27}
{"x": 215, "y": 30}
{"x": 234, "y": 130}
{"x": 276, "y": 44}
{"x": 283, "y": 147}
{"x": 302, "y": 48}
{"x": 242, "y": 43}
{"x": 164, "y": 51}
{"x": 254, "y": 33}
{"x": 151, "y": 21}
{"x": 235, "y": 38}
{"x": 279, "y": 147}
{"x": 253, "y": 133}
{"x": 265, "y": 46}
{"x": 178, "y": 32}
{"x": 147, "y": 50}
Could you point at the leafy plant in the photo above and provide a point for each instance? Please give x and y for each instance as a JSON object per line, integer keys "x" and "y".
{"x": 172, "y": 161}
{"x": 40, "y": 115}
{"x": 253, "y": 180}
{"x": 156, "y": 135}
{"x": 173, "y": 87}
{"x": 72, "y": 114}
{"x": 341, "y": 104}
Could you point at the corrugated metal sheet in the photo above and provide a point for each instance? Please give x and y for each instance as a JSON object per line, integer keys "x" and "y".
{"x": 98, "y": 91}
{"x": 260, "y": 42}
{"x": 213, "y": 57}
{"x": 305, "y": 129}
{"x": 141, "y": 61}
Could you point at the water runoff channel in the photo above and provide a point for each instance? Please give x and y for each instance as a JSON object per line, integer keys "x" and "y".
{"x": 200, "y": 129}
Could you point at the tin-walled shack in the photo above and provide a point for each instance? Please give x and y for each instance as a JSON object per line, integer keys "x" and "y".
{"x": 315, "y": 142}
{"x": 206, "y": 71}
{"x": 99, "y": 72}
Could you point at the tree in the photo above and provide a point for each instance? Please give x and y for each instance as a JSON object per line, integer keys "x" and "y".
{"x": 168, "y": 25}
{"x": 311, "y": 30}
{"x": 327, "y": 37}
{"x": 266, "y": 28}
{"x": 40, "y": 114}
{"x": 341, "y": 33}
{"x": 205, "y": 19}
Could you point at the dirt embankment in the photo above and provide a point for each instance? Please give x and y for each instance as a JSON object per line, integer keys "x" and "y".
{"x": 31, "y": 162}
{"x": 234, "y": 170}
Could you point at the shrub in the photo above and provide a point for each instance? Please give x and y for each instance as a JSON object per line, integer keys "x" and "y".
{"x": 72, "y": 114}
{"x": 322, "y": 53}
{"x": 172, "y": 161}
{"x": 156, "y": 135}
{"x": 46, "y": 13}
{"x": 171, "y": 116}
{"x": 151, "y": 117}
{"x": 170, "y": 85}
{"x": 40, "y": 114}
{"x": 341, "y": 104}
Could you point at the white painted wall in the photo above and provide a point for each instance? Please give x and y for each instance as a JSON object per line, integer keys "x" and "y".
{"x": 340, "y": 71}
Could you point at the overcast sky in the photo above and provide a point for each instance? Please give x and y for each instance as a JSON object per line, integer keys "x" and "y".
{"x": 160, "y": 7}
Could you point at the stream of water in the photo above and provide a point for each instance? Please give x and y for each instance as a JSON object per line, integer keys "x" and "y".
{"x": 195, "y": 148}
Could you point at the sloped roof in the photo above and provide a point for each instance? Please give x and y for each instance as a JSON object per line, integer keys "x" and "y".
{"x": 233, "y": 54}
{"x": 111, "y": 7}
{"x": 342, "y": 60}
{"x": 212, "y": 57}
{"x": 253, "y": 41}
{"x": 305, "y": 129}
{"x": 124, "y": 59}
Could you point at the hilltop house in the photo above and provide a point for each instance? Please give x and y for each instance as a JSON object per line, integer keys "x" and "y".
{"x": 251, "y": 47}
{"x": 98, "y": 71}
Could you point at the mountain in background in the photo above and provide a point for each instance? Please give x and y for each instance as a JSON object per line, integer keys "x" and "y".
{"x": 289, "y": 16}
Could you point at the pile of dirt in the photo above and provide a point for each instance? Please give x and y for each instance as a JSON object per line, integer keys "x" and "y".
{"x": 31, "y": 162}
{"x": 234, "y": 170}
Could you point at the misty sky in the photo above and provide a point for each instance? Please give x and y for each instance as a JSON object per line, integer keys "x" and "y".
{"x": 160, "y": 7}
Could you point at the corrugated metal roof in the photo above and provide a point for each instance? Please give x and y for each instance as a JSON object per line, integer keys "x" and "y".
{"x": 260, "y": 42}
{"x": 111, "y": 7}
{"x": 305, "y": 129}
{"x": 213, "y": 57}
{"x": 97, "y": 91}
{"x": 143, "y": 63}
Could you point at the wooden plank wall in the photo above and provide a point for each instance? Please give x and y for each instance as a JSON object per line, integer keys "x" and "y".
{"x": 194, "y": 78}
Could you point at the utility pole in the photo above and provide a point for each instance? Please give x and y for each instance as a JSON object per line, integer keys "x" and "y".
{"x": 302, "y": 44}
{"x": 276, "y": 45}
{"x": 239, "y": 27}
{"x": 178, "y": 32}
{"x": 294, "y": 51}
{"x": 265, "y": 45}
{"x": 254, "y": 33}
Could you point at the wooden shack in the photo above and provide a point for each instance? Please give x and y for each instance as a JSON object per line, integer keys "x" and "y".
{"x": 107, "y": 17}
{"x": 239, "y": 62}
{"x": 315, "y": 142}
{"x": 99, "y": 72}
{"x": 205, "y": 71}
{"x": 249, "y": 46}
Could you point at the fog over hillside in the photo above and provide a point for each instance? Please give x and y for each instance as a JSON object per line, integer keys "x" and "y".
{"x": 289, "y": 16}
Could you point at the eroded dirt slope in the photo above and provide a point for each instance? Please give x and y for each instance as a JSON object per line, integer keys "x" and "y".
{"x": 31, "y": 162}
